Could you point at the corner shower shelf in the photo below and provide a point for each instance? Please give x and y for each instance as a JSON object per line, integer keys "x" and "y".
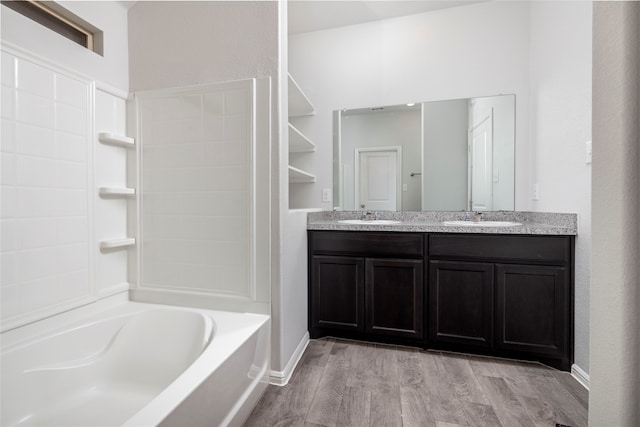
{"x": 117, "y": 243}
{"x": 298, "y": 143}
{"x": 298, "y": 176}
{"x": 299, "y": 104}
{"x": 115, "y": 139}
{"x": 116, "y": 191}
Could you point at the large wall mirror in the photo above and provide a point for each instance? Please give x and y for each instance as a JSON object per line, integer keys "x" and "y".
{"x": 434, "y": 156}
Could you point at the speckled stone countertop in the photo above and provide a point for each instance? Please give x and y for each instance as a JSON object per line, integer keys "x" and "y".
{"x": 540, "y": 223}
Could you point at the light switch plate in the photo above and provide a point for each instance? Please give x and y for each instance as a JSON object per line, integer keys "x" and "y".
{"x": 326, "y": 194}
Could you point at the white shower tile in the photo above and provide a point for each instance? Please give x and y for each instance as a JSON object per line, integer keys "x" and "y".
{"x": 213, "y": 104}
{"x": 71, "y": 119}
{"x": 215, "y": 203}
{"x": 213, "y": 128}
{"x": 36, "y": 264}
{"x": 8, "y": 106}
{"x": 35, "y": 140}
{"x": 7, "y": 72}
{"x": 8, "y": 201}
{"x": 71, "y": 147}
{"x": 10, "y": 229}
{"x": 71, "y": 91}
{"x": 8, "y": 273}
{"x": 192, "y": 130}
{"x": 39, "y": 293}
{"x": 214, "y": 228}
{"x": 192, "y": 179}
{"x": 168, "y": 109}
{"x": 8, "y": 135}
{"x": 35, "y": 110}
{"x": 35, "y": 171}
{"x": 36, "y": 202}
{"x": 9, "y": 301}
{"x": 36, "y": 233}
{"x": 35, "y": 79}
{"x": 236, "y": 127}
{"x": 71, "y": 202}
{"x": 72, "y": 258}
{"x": 161, "y": 133}
{"x": 7, "y": 168}
{"x": 192, "y": 107}
{"x": 236, "y": 101}
{"x": 73, "y": 285}
{"x": 71, "y": 175}
{"x": 72, "y": 230}
{"x": 229, "y": 278}
{"x": 235, "y": 153}
{"x": 225, "y": 178}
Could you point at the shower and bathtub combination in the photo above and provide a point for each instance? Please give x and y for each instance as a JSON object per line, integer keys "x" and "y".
{"x": 135, "y": 271}
{"x": 136, "y": 364}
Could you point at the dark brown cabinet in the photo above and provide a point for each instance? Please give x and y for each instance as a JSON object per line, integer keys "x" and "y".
{"x": 338, "y": 290}
{"x": 503, "y": 295}
{"x": 394, "y": 297}
{"x": 366, "y": 285}
{"x": 532, "y": 309}
{"x": 461, "y": 303}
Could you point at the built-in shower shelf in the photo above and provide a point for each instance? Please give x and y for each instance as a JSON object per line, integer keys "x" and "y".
{"x": 299, "y": 104}
{"x": 116, "y": 191}
{"x": 117, "y": 243}
{"x": 110, "y": 138}
{"x": 298, "y": 143}
{"x": 298, "y": 176}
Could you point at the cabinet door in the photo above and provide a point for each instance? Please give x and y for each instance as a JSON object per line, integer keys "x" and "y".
{"x": 461, "y": 303}
{"x": 337, "y": 298}
{"x": 394, "y": 294}
{"x": 532, "y": 309}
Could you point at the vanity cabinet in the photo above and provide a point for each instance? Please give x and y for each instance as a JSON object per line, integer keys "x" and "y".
{"x": 495, "y": 294}
{"x": 503, "y": 295}
{"x": 366, "y": 285}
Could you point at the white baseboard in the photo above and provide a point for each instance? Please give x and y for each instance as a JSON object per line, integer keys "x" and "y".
{"x": 281, "y": 378}
{"x": 581, "y": 376}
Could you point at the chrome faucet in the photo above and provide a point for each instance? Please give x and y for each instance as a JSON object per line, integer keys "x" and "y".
{"x": 477, "y": 216}
{"x": 369, "y": 216}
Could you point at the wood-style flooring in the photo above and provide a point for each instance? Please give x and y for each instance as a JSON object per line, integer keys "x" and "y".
{"x": 348, "y": 383}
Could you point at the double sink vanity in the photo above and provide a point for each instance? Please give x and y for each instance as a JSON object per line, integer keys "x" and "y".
{"x": 501, "y": 286}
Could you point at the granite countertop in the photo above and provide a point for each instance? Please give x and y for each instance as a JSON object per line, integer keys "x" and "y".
{"x": 538, "y": 223}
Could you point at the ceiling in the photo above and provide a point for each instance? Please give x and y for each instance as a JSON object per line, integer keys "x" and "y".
{"x": 313, "y": 15}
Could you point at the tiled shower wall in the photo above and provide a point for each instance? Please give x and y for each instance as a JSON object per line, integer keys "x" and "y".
{"x": 197, "y": 169}
{"x": 48, "y": 246}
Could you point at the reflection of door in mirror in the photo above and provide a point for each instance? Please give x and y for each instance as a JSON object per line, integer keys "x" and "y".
{"x": 377, "y": 178}
{"x": 481, "y": 164}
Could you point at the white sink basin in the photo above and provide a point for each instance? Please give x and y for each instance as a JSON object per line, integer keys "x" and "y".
{"x": 482, "y": 223}
{"x": 372, "y": 222}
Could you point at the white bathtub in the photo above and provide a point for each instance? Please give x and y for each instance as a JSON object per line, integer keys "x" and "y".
{"x": 137, "y": 364}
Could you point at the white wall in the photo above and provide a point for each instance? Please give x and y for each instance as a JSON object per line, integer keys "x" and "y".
{"x": 615, "y": 288}
{"x": 560, "y": 124}
{"x": 110, "y": 17}
{"x": 462, "y": 52}
{"x": 177, "y": 43}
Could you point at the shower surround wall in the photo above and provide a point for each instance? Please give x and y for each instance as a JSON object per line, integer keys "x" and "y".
{"x": 63, "y": 216}
{"x": 197, "y": 148}
{"x": 52, "y": 217}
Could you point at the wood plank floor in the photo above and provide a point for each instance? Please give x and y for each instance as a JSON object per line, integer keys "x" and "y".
{"x": 348, "y": 383}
